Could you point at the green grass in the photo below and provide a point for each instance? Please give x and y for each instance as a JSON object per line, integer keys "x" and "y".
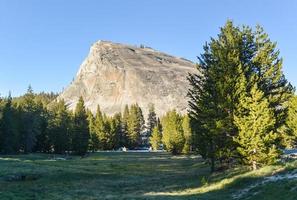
{"x": 135, "y": 176}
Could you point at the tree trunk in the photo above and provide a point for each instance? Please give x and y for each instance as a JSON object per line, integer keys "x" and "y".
{"x": 254, "y": 165}
{"x": 212, "y": 164}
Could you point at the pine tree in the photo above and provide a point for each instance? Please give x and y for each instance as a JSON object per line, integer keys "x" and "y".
{"x": 213, "y": 95}
{"x": 101, "y": 130}
{"x": 216, "y": 88}
{"x": 187, "y": 130}
{"x": 135, "y": 125}
{"x": 10, "y": 140}
{"x": 60, "y": 127}
{"x": 124, "y": 128}
{"x": 30, "y": 121}
{"x": 80, "y": 140}
{"x": 270, "y": 79}
{"x": 141, "y": 128}
{"x": 43, "y": 138}
{"x": 151, "y": 120}
{"x": 256, "y": 138}
{"x": 291, "y": 138}
{"x": 116, "y": 130}
{"x": 156, "y": 138}
{"x": 173, "y": 136}
{"x": 94, "y": 140}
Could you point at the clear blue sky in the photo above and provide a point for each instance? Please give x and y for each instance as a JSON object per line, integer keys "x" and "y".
{"x": 43, "y": 42}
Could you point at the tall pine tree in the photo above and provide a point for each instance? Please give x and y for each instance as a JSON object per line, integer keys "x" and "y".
{"x": 216, "y": 88}
{"x": 156, "y": 137}
{"x": 173, "y": 136}
{"x": 10, "y": 135}
{"x": 124, "y": 141}
{"x": 291, "y": 138}
{"x": 60, "y": 127}
{"x": 30, "y": 121}
{"x": 80, "y": 140}
{"x": 187, "y": 134}
{"x": 94, "y": 141}
{"x": 256, "y": 137}
{"x": 151, "y": 120}
{"x": 135, "y": 126}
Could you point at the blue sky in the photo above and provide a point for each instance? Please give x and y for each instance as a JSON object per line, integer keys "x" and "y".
{"x": 43, "y": 42}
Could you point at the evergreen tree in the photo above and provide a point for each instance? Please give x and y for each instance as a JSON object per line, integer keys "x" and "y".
{"x": 135, "y": 126}
{"x": 116, "y": 130}
{"x": 267, "y": 65}
{"x": 151, "y": 120}
{"x": 173, "y": 136}
{"x": 60, "y": 127}
{"x": 216, "y": 88}
{"x": 80, "y": 140}
{"x": 111, "y": 131}
{"x": 156, "y": 138}
{"x": 291, "y": 138}
{"x": 256, "y": 138}
{"x": 42, "y": 139}
{"x": 187, "y": 134}
{"x": 213, "y": 96}
{"x": 141, "y": 124}
{"x": 10, "y": 140}
{"x": 124, "y": 128}
{"x": 94, "y": 139}
{"x": 100, "y": 130}
{"x": 30, "y": 121}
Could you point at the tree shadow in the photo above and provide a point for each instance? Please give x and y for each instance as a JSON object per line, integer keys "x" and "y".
{"x": 226, "y": 185}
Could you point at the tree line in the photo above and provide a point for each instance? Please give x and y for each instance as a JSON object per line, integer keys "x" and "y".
{"x": 242, "y": 108}
{"x": 40, "y": 123}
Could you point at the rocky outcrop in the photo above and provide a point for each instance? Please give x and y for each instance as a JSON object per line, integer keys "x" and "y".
{"x": 114, "y": 75}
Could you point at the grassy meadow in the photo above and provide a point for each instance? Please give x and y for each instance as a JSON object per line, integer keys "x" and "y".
{"x": 113, "y": 175}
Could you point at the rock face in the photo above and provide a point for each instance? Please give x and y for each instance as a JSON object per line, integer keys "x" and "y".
{"x": 114, "y": 75}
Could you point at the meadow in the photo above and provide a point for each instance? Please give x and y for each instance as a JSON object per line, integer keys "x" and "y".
{"x": 126, "y": 175}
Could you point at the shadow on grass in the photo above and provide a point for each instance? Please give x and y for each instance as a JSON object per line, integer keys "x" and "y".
{"x": 234, "y": 184}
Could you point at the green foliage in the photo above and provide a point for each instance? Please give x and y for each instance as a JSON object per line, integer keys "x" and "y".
{"x": 124, "y": 128}
{"x": 151, "y": 120}
{"x": 116, "y": 130}
{"x": 94, "y": 139}
{"x": 271, "y": 81}
{"x": 42, "y": 139}
{"x": 256, "y": 137}
{"x": 135, "y": 125}
{"x": 291, "y": 138}
{"x": 43, "y": 127}
{"x": 173, "y": 135}
{"x": 80, "y": 139}
{"x": 187, "y": 130}
{"x": 9, "y": 133}
{"x": 101, "y": 130}
{"x": 156, "y": 138}
{"x": 105, "y": 131}
{"x": 231, "y": 64}
{"x": 60, "y": 127}
{"x": 30, "y": 121}
{"x": 45, "y": 98}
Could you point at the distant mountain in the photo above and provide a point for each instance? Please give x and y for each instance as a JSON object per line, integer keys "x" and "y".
{"x": 114, "y": 75}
